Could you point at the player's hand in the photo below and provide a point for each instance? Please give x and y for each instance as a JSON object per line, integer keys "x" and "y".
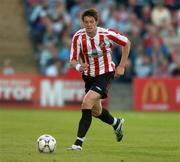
{"x": 84, "y": 67}
{"x": 119, "y": 71}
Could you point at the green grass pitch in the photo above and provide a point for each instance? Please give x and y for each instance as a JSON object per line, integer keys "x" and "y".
{"x": 148, "y": 137}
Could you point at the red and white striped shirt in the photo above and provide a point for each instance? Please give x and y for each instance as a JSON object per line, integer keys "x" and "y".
{"x": 96, "y": 51}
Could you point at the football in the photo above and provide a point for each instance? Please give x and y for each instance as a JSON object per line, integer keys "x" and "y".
{"x": 46, "y": 143}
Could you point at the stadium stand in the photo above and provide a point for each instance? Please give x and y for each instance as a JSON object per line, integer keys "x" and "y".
{"x": 153, "y": 27}
{"x": 51, "y": 24}
{"x": 15, "y": 44}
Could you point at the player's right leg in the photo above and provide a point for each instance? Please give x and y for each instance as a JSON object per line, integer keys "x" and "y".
{"x": 88, "y": 102}
{"x": 105, "y": 116}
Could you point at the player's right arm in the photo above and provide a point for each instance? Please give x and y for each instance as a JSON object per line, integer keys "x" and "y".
{"x": 74, "y": 55}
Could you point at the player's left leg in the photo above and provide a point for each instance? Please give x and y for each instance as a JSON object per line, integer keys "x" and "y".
{"x": 105, "y": 116}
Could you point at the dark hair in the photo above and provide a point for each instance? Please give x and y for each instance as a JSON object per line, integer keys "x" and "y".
{"x": 90, "y": 12}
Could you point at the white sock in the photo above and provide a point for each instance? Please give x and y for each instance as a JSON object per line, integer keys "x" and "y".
{"x": 115, "y": 121}
{"x": 81, "y": 139}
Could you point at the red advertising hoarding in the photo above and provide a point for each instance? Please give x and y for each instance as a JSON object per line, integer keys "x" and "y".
{"x": 35, "y": 91}
{"x": 151, "y": 94}
{"x": 19, "y": 90}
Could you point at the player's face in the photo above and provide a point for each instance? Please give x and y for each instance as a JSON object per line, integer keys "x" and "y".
{"x": 90, "y": 24}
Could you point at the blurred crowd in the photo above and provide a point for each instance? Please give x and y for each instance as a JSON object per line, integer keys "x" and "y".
{"x": 153, "y": 26}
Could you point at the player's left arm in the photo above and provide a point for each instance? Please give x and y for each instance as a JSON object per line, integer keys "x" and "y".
{"x": 125, "y": 53}
{"x": 122, "y": 41}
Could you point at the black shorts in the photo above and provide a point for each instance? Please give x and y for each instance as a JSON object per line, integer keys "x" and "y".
{"x": 99, "y": 83}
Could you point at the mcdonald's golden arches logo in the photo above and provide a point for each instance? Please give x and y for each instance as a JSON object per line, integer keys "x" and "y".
{"x": 156, "y": 91}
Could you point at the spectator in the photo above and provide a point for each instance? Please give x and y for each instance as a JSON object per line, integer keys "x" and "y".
{"x": 161, "y": 15}
{"x": 146, "y": 14}
{"x": 48, "y": 53}
{"x": 154, "y": 43}
{"x": 7, "y": 67}
{"x": 53, "y": 69}
{"x": 64, "y": 54}
{"x": 176, "y": 64}
{"x": 162, "y": 69}
{"x": 143, "y": 65}
{"x": 176, "y": 70}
